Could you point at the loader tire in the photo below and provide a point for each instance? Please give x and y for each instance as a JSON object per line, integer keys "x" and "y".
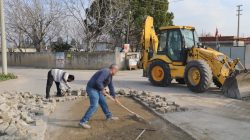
{"x": 180, "y": 81}
{"x": 198, "y": 76}
{"x": 159, "y": 74}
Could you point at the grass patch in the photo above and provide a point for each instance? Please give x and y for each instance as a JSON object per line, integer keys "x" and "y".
{"x": 9, "y": 76}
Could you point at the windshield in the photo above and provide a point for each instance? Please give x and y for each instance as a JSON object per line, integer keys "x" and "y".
{"x": 190, "y": 37}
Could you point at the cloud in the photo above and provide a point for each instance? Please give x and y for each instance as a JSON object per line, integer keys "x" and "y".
{"x": 206, "y": 15}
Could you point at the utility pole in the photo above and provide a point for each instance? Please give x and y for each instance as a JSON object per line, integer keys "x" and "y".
{"x": 4, "y": 52}
{"x": 238, "y": 28}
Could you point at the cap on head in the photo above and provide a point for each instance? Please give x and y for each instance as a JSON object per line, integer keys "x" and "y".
{"x": 71, "y": 78}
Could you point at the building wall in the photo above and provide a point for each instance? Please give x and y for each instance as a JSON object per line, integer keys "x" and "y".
{"x": 223, "y": 41}
{"x": 72, "y": 60}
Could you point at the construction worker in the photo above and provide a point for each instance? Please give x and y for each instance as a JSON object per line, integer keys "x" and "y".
{"x": 96, "y": 92}
{"x": 61, "y": 79}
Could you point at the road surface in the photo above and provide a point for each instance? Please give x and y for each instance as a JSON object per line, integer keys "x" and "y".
{"x": 210, "y": 115}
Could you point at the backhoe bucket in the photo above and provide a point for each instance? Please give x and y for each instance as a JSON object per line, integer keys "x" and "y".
{"x": 237, "y": 86}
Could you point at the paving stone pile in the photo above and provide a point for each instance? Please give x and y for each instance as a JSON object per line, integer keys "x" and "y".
{"x": 19, "y": 112}
{"x": 156, "y": 102}
{"x": 23, "y": 115}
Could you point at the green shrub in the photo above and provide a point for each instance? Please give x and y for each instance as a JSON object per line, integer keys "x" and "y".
{"x": 9, "y": 76}
{"x": 61, "y": 47}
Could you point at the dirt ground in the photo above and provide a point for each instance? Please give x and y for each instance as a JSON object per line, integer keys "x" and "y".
{"x": 63, "y": 124}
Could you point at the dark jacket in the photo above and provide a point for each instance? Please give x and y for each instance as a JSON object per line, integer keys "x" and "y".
{"x": 101, "y": 79}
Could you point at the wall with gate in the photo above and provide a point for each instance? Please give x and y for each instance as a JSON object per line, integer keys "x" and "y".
{"x": 65, "y": 60}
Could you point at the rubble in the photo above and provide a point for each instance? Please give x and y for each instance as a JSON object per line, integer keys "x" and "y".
{"x": 121, "y": 92}
{"x": 161, "y": 110}
{"x": 18, "y": 111}
{"x": 24, "y": 116}
{"x": 75, "y": 92}
{"x": 21, "y": 113}
{"x": 156, "y": 102}
{"x": 3, "y": 127}
{"x": 4, "y": 107}
{"x": 83, "y": 92}
{"x": 12, "y": 129}
{"x": 52, "y": 100}
{"x": 39, "y": 122}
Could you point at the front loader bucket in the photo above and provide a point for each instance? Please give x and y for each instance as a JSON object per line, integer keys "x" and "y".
{"x": 237, "y": 86}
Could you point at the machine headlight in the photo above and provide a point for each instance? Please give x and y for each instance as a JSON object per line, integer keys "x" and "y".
{"x": 219, "y": 57}
{"x": 230, "y": 60}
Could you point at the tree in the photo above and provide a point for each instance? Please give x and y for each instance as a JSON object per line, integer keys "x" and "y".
{"x": 109, "y": 20}
{"x": 129, "y": 18}
{"x": 95, "y": 18}
{"x": 60, "y": 45}
{"x": 76, "y": 11}
{"x": 37, "y": 19}
{"x": 73, "y": 42}
{"x": 113, "y": 19}
{"x": 158, "y": 9}
{"x": 16, "y": 37}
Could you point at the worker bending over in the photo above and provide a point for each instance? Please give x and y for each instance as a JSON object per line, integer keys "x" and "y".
{"x": 96, "y": 92}
{"x": 61, "y": 79}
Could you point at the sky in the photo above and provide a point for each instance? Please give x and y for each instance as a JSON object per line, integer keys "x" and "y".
{"x": 207, "y": 15}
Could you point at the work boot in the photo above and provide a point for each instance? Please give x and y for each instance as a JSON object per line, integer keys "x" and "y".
{"x": 84, "y": 125}
{"x": 59, "y": 95}
{"x": 112, "y": 119}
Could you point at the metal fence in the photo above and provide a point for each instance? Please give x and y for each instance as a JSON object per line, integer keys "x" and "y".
{"x": 235, "y": 52}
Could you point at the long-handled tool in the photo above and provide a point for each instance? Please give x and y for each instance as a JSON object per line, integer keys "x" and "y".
{"x": 143, "y": 130}
{"x": 135, "y": 115}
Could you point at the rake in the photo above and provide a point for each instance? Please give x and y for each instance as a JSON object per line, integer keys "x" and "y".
{"x": 135, "y": 116}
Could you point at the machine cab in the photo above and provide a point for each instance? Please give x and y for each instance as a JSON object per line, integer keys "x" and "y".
{"x": 174, "y": 41}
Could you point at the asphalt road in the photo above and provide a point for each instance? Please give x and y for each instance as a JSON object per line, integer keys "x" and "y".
{"x": 210, "y": 114}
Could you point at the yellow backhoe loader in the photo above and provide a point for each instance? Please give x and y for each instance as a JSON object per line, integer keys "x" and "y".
{"x": 175, "y": 53}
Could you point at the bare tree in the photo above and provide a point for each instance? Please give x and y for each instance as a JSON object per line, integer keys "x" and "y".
{"x": 95, "y": 18}
{"x": 16, "y": 37}
{"x": 77, "y": 12}
{"x": 37, "y": 19}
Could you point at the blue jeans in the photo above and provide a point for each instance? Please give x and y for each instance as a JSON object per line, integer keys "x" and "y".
{"x": 95, "y": 98}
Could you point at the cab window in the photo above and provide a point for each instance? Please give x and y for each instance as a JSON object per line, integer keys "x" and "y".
{"x": 174, "y": 43}
{"x": 189, "y": 37}
{"x": 162, "y": 42}
{"x": 171, "y": 44}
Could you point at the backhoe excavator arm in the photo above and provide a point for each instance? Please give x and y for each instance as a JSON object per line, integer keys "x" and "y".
{"x": 149, "y": 41}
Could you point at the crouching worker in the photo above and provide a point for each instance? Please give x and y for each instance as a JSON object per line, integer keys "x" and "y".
{"x": 61, "y": 80}
{"x": 96, "y": 92}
